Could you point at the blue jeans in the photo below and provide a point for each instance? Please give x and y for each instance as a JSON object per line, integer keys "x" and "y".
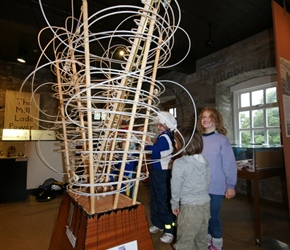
{"x": 215, "y": 224}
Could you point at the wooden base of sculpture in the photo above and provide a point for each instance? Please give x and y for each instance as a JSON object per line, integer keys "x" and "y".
{"x": 77, "y": 229}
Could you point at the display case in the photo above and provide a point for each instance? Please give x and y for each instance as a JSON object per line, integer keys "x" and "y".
{"x": 258, "y": 157}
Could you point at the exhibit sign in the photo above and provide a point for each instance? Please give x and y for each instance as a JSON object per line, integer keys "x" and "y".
{"x": 21, "y": 111}
{"x": 285, "y": 80}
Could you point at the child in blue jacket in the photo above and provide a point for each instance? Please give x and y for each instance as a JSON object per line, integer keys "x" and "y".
{"x": 161, "y": 152}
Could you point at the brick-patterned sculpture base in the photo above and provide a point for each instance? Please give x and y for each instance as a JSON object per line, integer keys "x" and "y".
{"x": 77, "y": 229}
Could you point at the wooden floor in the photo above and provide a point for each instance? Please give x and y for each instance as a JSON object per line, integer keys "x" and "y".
{"x": 29, "y": 225}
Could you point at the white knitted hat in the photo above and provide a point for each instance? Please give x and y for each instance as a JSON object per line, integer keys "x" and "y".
{"x": 167, "y": 119}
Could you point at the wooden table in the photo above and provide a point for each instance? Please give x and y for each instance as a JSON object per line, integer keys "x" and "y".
{"x": 255, "y": 177}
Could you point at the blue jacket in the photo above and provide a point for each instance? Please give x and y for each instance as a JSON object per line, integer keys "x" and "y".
{"x": 161, "y": 151}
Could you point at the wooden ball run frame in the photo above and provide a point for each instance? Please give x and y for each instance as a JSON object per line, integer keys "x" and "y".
{"x": 105, "y": 101}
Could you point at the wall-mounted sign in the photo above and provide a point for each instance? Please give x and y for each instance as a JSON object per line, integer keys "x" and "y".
{"x": 15, "y": 135}
{"x": 21, "y": 112}
{"x": 285, "y": 80}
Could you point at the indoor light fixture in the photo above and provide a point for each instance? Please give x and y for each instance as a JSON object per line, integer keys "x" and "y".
{"x": 22, "y": 54}
{"x": 121, "y": 52}
{"x": 118, "y": 53}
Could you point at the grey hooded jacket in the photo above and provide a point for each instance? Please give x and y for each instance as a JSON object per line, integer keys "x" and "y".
{"x": 190, "y": 181}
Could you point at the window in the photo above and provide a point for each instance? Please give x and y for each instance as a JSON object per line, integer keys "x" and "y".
{"x": 170, "y": 106}
{"x": 172, "y": 111}
{"x": 99, "y": 116}
{"x": 256, "y": 114}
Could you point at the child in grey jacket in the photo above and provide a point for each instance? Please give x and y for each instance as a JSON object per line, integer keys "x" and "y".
{"x": 190, "y": 200}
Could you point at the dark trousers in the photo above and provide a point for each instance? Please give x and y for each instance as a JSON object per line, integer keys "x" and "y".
{"x": 161, "y": 213}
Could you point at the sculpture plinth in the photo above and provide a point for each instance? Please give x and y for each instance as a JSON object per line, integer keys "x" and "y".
{"x": 77, "y": 229}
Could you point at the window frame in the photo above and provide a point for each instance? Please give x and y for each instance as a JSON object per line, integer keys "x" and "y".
{"x": 170, "y": 106}
{"x": 250, "y": 86}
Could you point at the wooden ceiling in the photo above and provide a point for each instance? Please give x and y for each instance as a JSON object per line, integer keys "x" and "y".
{"x": 223, "y": 22}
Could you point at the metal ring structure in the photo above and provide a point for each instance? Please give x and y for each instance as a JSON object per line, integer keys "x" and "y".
{"x": 106, "y": 101}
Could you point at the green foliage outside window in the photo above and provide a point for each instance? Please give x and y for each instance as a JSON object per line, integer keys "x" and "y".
{"x": 272, "y": 120}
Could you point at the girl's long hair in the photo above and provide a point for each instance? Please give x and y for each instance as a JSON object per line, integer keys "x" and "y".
{"x": 196, "y": 144}
{"x": 216, "y": 117}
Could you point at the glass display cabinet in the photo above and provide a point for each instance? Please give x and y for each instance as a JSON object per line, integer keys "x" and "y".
{"x": 258, "y": 157}
{"x": 255, "y": 163}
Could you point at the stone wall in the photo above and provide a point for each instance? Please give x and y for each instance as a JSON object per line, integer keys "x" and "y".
{"x": 12, "y": 75}
{"x": 210, "y": 86}
{"x": 216, "y": 73}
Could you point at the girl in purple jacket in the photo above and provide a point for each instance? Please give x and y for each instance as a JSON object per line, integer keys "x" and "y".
{"x": 223, "y": 169}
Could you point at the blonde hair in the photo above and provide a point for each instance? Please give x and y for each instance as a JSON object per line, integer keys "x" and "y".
{"x": 216, "y": 117}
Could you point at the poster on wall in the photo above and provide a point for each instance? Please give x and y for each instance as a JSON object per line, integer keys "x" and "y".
{"x": 285, "y": 80}
{"x": 20, "y": 110}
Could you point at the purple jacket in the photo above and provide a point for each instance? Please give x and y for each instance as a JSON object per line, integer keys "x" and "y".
{"x": 223, "y": 168}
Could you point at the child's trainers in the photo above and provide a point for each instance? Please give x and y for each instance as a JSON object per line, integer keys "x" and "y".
{"x": 154, "y": 229}
{"x": 211, "y": 247}
{"x": 208, "y": 243}
{"x": 167, "y": 238}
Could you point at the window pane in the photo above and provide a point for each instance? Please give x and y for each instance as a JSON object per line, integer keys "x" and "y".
{"x": 257, "y": 97}
{"x": 258, "y": 118}
{"x": 271, "y": 95}
{"x": 245, "y": 137}
{"x": 244, "y": 119}
{"x": 172, "y": 111}
{"x": 259, "y": 136}
{"x": 273, "y": 118}
{"x": 97, "y": 116}
{"x": 245, "y": 100}
{"x": 274, "y": 136}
